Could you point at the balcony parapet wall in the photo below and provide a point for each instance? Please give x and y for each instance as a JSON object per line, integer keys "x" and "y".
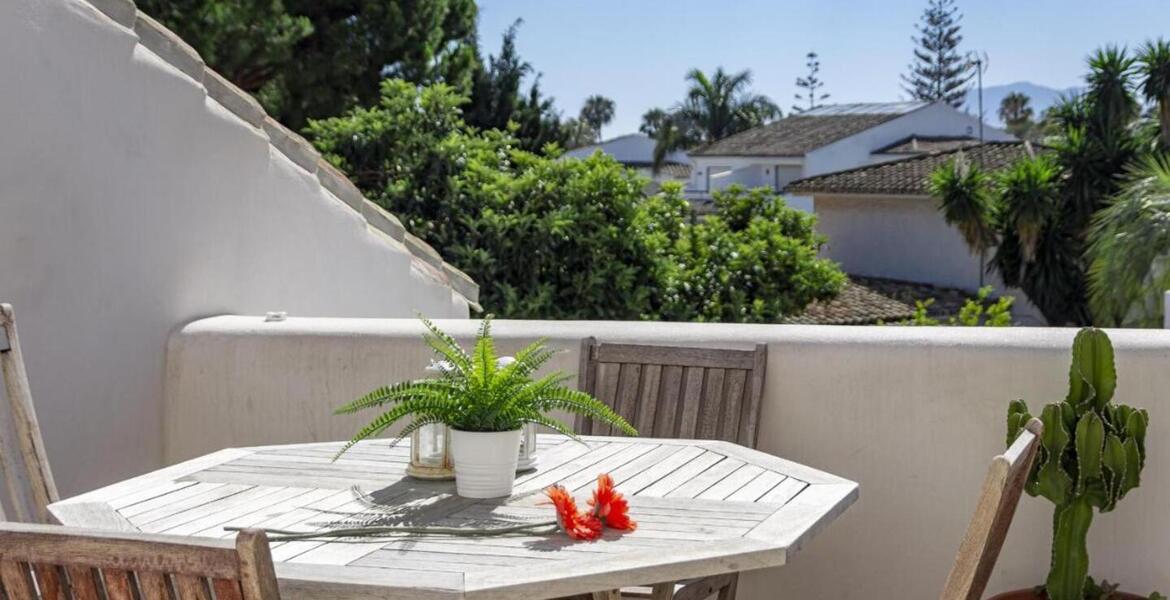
{"x": 913, "y": 414}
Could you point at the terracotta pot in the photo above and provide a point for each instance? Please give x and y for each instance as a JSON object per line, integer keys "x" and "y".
{"x": 1031, "y": 594}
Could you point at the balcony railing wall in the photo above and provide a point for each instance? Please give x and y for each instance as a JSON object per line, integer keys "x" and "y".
{"x": 913, "y": 414}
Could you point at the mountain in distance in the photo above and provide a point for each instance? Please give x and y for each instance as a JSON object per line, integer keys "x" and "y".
{"x": 1041, "y": 97}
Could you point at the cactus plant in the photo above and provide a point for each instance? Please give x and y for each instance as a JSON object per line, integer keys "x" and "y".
{"x": 1091, "y": 455}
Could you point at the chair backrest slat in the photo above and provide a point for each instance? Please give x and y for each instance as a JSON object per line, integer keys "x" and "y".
{"x": 101, "y": 565}
{"x": 985, "y": 535}
{"x": 29, "y": 444}
{"x": 676, "y": 391}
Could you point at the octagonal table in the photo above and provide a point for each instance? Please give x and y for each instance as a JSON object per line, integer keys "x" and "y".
{"x": 703, "y": 508}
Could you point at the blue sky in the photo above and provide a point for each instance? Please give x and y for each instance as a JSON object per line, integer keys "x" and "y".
{"x": 637, "y": 51}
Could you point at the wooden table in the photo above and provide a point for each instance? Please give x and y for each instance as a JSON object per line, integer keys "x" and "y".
{"x": 702, "y": 507}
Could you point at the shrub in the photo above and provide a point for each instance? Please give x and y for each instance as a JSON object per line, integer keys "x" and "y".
{"x": 754, "y": 260}
{"x": 548, "y": 238}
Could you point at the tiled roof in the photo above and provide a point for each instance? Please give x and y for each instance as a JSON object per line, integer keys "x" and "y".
{"x": 798, "y": 134}
{"x": 920, "y": 144}
{"x": 675, "y": 171}
{"x": 910, "y": 176}
{"x": 855, "y": 305}
{"x": 870, "y": 300}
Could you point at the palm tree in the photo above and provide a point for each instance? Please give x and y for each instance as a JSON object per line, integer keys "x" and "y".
{"x": 1129, "y": 250}
{"x": 715, "y": 107}
{"x": 1016, "y": 114}
{"x": 596, "y": 113}
{"x": 1154, "y": 65}
{"x": 652, "y": 121}
{"x": 964, "y": 195}
{"x": 1111, "y": 95}
{"x": 722, "y": 104}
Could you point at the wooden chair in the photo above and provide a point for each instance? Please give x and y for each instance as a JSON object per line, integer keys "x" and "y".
{"x": 675, "y": 391}
{"x": 28, "y": 443}
{"x": 993, "y": 515}
{"x": 46, "y": 562}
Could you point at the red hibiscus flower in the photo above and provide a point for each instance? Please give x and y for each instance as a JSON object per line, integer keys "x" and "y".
{"x": 578, "y": 525}
{"x": 610, "y": 506}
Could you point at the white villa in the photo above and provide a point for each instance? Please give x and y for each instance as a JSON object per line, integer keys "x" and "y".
{"x": 827, "y": 139}
{"x": 636, "y": 150}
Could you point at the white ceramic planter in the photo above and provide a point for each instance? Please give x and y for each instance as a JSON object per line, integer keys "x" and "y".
{"x": 485, "y": 462}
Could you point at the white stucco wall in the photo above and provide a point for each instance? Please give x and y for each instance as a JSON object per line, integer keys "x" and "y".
{"x": 912, "y": 414}
{"x": 936, "y": 119}
{"x": 897, "y": 238}
{"x": 905, "y": 237}
{"x": 131, "y": 203}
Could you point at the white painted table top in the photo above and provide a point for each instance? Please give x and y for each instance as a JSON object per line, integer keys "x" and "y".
{"x": 702, "y": 508}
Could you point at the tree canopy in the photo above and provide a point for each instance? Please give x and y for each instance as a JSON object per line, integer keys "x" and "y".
{"x": 572, "y": 239}
{"x": 716, "y": 106}
{"x": 315, "y": 58}
{"x": 811, "y": 84}
{"x": 938, "y": 71}
{"x": 1045, "y": 213}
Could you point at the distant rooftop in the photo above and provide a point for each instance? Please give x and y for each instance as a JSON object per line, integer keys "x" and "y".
{"x": 873, "y": 300}
{"x": 798, "y": 134}
{"x": 917, "y": 144}
{"x": 864, "y": 108}
{"x": 632, "y": 149}
{"x": 910, "y": 176}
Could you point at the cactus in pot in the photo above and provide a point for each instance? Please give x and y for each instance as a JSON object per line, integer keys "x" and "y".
{"x": 1091, "y": 455}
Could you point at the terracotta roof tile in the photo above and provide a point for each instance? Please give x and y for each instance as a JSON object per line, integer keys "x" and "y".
{"x": 793, "y": 136}
{"x": 916, "y": 144}
{"x": 872, "y": 300}
{"x": 910, "y": 176}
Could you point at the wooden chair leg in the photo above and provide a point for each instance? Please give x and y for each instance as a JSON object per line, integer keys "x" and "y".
{"x": 662, "y": 591}
{"x": 728, "y": 591}
{"x": 701, "y": 589}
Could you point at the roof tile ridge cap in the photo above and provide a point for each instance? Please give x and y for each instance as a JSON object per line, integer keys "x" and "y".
{"x": 860, "y": 168}
{"x": 122, "y": 12}
{"x": 292, "y": 145}
{"x": 168, "y": 46}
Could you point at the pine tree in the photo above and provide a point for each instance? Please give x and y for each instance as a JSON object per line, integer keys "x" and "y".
{"x": 810, "y": 85}
{"x": 938, "y": 72}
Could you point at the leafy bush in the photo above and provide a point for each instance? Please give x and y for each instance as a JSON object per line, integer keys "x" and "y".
{"x": 754, "y": 260}
{"x": 572, "y": 239}
{"x": 975, "y": 312}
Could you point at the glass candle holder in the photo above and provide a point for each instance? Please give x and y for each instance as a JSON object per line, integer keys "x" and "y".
{"x": 527, "y": 460}
{"x": 430, "y": 453}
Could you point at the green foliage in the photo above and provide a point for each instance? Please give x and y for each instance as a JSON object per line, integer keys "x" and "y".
{"x": 597, "y": 112}
{"x": 1016, "y": 114}
{"x": 498, "y": 102}
{"x": 716, "y": 106}
{"x": 247, "y": 41}
{"x": 964, "y": 195}
{"x": 938, "y": 72}
{"x": 754, "y": 260}
{"x": 1042, "y": 209}
{"x": 478, "y": 392}
{"x": 1129, "y": 250}
{"x": 811, "y": 84}
{"x": 1091, "y": 455}
{"x": 316, "y": 58}
{"x": 975, "y": 312}
{"x": 1154, "y": 67}
{"x": 571, "y": 239}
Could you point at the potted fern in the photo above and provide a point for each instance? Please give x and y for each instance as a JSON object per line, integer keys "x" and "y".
{"x": 485, "y": 402}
